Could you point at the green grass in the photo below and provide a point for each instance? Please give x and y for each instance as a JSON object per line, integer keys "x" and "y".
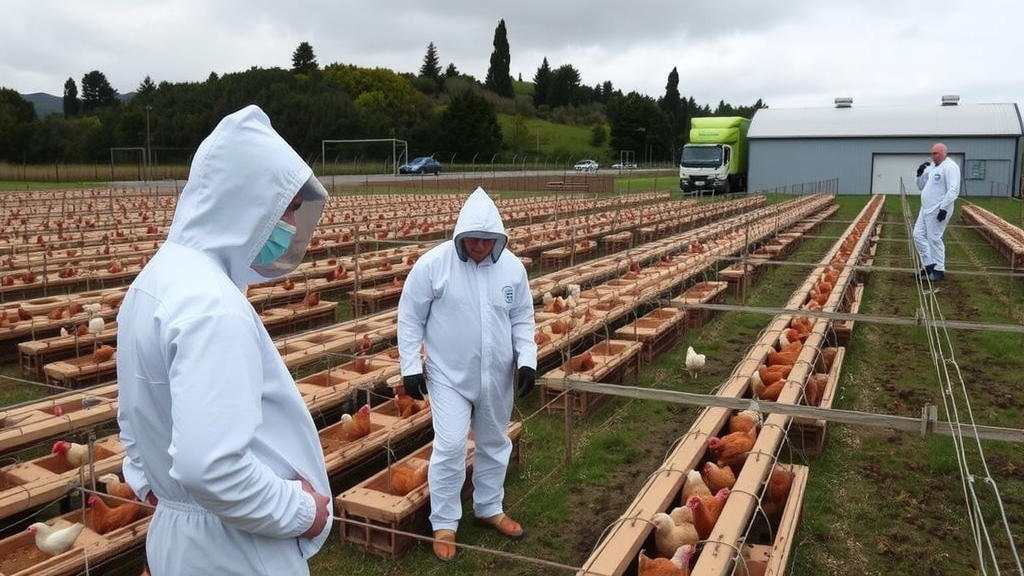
{"x": 560, "y": 145}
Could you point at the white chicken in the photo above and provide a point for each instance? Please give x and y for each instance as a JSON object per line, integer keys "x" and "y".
{"x": 76, "y": 454}
{"x": 54, "y": 541}
{"x": 573, "y": 290}
{"x": 93, "y": 308}
{"x": 694, "y": 362}
{"x": 547, "y": 298}
{"x": 96, "y": 325}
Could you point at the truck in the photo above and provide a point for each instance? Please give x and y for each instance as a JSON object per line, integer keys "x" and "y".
{"x": 715, "y": 159}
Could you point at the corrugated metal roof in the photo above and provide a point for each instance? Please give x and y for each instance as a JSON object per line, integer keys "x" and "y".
{"x": 887, "y": 121}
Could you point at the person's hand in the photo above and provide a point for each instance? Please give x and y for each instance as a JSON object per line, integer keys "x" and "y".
{"x": 415, "y": 386}
{"x": 920, "y": 169}
{"x": 527, "y": 380}
{"x": 320, "y": 519}
{"x": 942, "y": 215}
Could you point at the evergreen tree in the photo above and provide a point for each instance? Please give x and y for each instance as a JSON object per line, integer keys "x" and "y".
{"x": 471, "y": 125}
{"x": 541, "y": 84}
{"x": 672, "y": 104}
{"x": 431, "y": 65}
{"x": 499, "y": 79}
{"x": 146, "y": 88}
{"x": 17, "y": 117}
{"x": 72, "y": 105}
{"x": 451, "y": 71}
{"x": 565, "y": 86}
{"x": 97, "y": 92}
{"x": 304, "y": 60}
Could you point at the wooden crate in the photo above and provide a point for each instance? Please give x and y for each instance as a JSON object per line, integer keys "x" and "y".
{"x": 82, "y": 371}
{"x": 657, "y": 331}
{"x": 701, "y": 293}
{"x": 842, "y": 330}
{"x": 738, "y": 277}
{"x": 34, "y": 354}
{"x": 619, "y": 242}
{"x": 808, "y": 434}
{"x": 381, "y": 513}
{"x": 615, "y": 362}
{"x": 774, "y": 557}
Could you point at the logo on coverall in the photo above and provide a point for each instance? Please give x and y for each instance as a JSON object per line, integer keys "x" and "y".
{"x": 507, "y": 291}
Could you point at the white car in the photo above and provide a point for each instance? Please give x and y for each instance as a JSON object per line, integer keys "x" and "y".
{"x": 587, "y": 166}
{"x": 624, "y": 166}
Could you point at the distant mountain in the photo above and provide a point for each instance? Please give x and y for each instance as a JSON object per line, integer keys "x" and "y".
{"x": 46, "y": 104}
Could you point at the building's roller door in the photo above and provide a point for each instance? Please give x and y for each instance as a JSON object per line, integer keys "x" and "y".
{"x": 887, "y": 169}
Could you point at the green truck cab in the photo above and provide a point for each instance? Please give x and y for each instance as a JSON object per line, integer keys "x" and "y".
{"x": 715, "y": 159}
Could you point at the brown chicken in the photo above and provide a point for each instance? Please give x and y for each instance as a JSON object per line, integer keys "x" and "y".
{"x": 787, "y": 356}
{"x": 731, "y": 449}
{"x": 744, "y": 420}
{"x": 106, "y": 518}
{"x": 354, "y": 427}
{"x": 802, "y": 324}
{"x": 581, "y": 363}
{"x": 770, "y": 392}
{"x": 815, "y": 389}
{"x": 407, "y": 405}
{"x": 718, "y": 477}
{"x": 407, "y": 477}
{"x": 313, "y": 299}
{"x": 560, "y": 326}
{"x": 288, "y": 284}
{"x": 361, "y": 363}
{"x": 771, "y": 374}
{"x": 706, "y": 512}
{"x": 115, "y": 487}
{"x": 541, "y": 338}
{"x": 774, "y": 499}
{"x": 678, "y": 565}
{"x": 103, "y": 353}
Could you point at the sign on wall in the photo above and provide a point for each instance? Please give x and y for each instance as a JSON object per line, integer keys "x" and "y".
{"x": 975, "y": 170}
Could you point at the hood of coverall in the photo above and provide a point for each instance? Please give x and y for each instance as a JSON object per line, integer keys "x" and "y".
{"x": 479, "y": 218}
{"x": 243, "y": 177}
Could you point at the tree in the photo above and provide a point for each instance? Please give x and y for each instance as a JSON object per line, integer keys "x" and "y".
{"x": 672, "y": 104}
{"x": 598, "y": 135}
{"x": 498, "y": 78}
{"x": 451, "y": 71}
{"x": 470, "y": 125}
{"x": 542, "y": 84}
{"x": 97, "y": 92}
{"x": 431, "y": 65}
{"x": 304, "y": 60}
{"x": 72, "y": 105}
{"x": 17, "y": 117}
{"x": 565, "y": 86}
{"x": 146, "y": 88}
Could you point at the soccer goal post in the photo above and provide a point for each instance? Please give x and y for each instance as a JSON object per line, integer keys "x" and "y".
{"x": 399, "y": 151}
{"x": 136, "y": 165}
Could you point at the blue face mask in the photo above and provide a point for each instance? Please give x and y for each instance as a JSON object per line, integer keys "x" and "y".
{"x": 278, "y": 243}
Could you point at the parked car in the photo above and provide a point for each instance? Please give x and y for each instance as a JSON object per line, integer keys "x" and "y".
{"x": 624, "y": 166}
{"x": 421, "y": 165}
{"x": 587, "y": 166}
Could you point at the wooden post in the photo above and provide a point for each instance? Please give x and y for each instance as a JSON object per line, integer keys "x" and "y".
{"x": 568, "y": 421}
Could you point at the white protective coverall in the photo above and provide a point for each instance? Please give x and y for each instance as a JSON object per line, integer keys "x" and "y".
{"x": 939, "y": 185}
{"x": 211, "y": 420}
{"x": 476, "y": 322}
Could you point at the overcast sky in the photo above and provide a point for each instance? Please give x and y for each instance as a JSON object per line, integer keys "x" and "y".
{"x": 793, "y": 53}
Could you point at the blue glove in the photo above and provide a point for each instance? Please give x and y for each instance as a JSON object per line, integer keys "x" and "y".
{"x": 942, "y": 215}
{"x": 415, "y": 386}
{"x": 527, "y": 380}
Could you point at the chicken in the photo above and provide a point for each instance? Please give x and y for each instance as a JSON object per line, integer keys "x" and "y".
{"x": 771, "y": 374}
{"x": 361, "y": 364}
{"x": 407, "y": 477}
{"x": 95, "y": 326}
{"x": 103, "y": 353}
{"x": 681, "y": 515}
{"x": 115, "y": 487}
{"x": 560, "y": 326}
{"x": 694, "y": 486}
{"x": 109, "y": 518}
{"x": 407, "y": 405}
{"x": 668, "y": 537}
{"x": 312, "y": 299}
{"x": 76, "y": 454}
{"x": 678, "y": 565}
{"x": 355, "y": 427}
{"x": 827, "y": 358}
{"x": 777, "y": 490}
{"x": 581, "y": 363}
{"x": 706, "y": 512}
{"x": 547, "y": 299}
{"x": 54, "y": 541}
{"x": 694, "y": 362}
{"x": 731, "y": 449}
{"x": 770, "y": 392}
{"x": 744, "y": 420}
{"x": 815, "y": 389}
{"x": 541, "y": 338}
{"x": 787, "y": 357}
{"x": 802, "y": 324}
{"x": 718, "y": 477}
{"x": 288, "y": 284}
{"x": 790, "y": 335}
{"x": 23, "y": 314}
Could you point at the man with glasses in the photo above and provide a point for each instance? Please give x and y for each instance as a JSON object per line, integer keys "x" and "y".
{"x": 939, "y": 183}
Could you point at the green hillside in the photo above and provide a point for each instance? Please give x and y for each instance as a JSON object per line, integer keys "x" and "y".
{"x": 560, "y": 144}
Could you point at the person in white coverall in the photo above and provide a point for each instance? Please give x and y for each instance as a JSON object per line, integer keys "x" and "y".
{"x": 468, "y": 302}
{"x": 939, "y": 183}
{"x": 213, "y": 426}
